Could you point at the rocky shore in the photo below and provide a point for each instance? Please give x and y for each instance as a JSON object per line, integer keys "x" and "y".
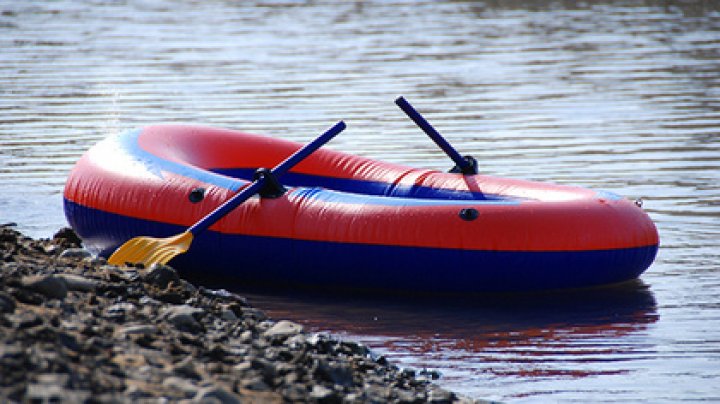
{"x": 75, "y": 329}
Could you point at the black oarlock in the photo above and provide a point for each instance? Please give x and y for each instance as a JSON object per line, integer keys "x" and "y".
{"x": 197, "y": 195}
{"x": 469, "y": 214}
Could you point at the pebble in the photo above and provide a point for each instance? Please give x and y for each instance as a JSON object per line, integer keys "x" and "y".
{"x": 321, "y": 393}
{"x": 183, "y": 316}
{"x": 283, "y": 328}
{"x": 141, "y": 329}
{"x": 79, "y": 253}
{"x": 7, "y": 303}
{"x": 79, "y": 330}
{"x": 187, "y": 387}
{"x": 228, "y": 315}
{"x": 78, "y": 282}
{"x": 49, "y": 285}
{"x": 161, "y": 275}
{"x": 215, "y": 394}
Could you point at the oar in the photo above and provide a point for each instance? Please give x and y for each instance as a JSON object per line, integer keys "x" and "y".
{"x": 465, "y": 165}
{"x": 150, "y": 250}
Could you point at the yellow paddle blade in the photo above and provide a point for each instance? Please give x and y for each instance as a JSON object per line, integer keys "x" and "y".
{"x": 151, "y": 250}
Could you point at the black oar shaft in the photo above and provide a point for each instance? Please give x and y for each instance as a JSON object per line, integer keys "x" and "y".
{"x": 255, "y": 186}
{"x": 464, "y": 165}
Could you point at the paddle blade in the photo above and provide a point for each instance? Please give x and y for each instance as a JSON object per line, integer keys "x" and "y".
{"x": 151, "y": 250}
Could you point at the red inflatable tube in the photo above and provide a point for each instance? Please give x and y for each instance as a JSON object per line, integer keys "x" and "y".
{"x": 141, "y": 181}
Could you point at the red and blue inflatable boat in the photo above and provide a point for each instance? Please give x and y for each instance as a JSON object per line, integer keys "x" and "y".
{"x": 351, "y": 222}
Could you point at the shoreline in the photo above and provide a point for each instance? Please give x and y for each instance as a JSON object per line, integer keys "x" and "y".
{"x": 75, "y": 329}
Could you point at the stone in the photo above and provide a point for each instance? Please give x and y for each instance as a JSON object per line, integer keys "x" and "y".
{"x": 438, "y": 395}
{"x": 430, "y": 374}
{"x": 321, "y": 393}
{"x": 267, "y": 368}
{"x": 408, "y": 396}
{"x": 186, "y": 367}
{"x": 129, "y": 360}
{"x": 283, "y": 328}
{"x": 95, "y": 261}
{"x": 7, "y": 303}
{"x": 216, "y": 394}
{"x": 223, "y": 294}
{"x": 76, "y": 253}
{"x": 50, "y": 286}
{"x": 185, "y": 386}
{"x": 228, "y": 315}
{"x": 67, "y": 236}
{"x": 69, "y": 341}
{"x": 161, "y": 275}
{"x": 120, "y": 310}
{"x": 78, "y": 282}
{"x": 296, "y": 341}
{"x": 183, "y": 316}
{"x": 243, "y": 367}
{"x": 51, "y": 388}
{"x": 253, "y": 313}
{"x": 377, "y": 393}
{"x": 317, "y": 340}
{"x": 139, "y": 329}
{"x": 334, "y": 372}
{"x": 355, "y": 348}
{"x": 254, "y": 383}
{"x": 297, "y": 393}
{"x": 11, "y": 352}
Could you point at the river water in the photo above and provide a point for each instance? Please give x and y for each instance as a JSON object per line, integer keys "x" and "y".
{"x": 616, "y": 95}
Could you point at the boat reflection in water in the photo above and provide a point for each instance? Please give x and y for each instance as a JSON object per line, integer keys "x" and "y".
{"x": 492, "y": 340}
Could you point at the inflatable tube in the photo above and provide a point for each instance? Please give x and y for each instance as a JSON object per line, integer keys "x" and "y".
{"x": 351, "y": 222}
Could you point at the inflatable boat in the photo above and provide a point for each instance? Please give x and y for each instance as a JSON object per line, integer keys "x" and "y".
{"x": 347, "y": 222}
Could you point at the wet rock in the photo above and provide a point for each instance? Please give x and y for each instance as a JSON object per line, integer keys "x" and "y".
{"x": 323, "y": 394}
{"x": 354, "y": 348}
{"x": 10, "y": 353}
{"x": 216, "y": 394}
{"x": 429, "y": 374}
{"x": 266, "y": 368}
{"x": 67, "y": 237}
{"x": 140, "y": 329}
{"x": 78, "y": 282}
{"x": 171, "y": 296}
{"x": 76, "y": 253}
{"x": 50, "y": 286}
{"x": 296, "y": 392}
{"x": 78, "y": 330}
{"x": 161, "y": 275}
{"x": 28, "y": 296}
{"x": 187, "y": 388}
{"x": 377, "y": 392}
{"x": 129, "y": 360}
{"x": 228, "y": 315}
{"x": 95, "y": 261}
{"x": 283, "y": 329}
{"x": 439, "y": 396}
{"x": 254, "y": 383}
{"x": 25, "y": 319}
{"x": 119, "y": 311}
{"x": 7, "y": 303}
{"x": 183, "y": 316}
{"x": 334, "y": 372}
{"x": 224, "y": 295}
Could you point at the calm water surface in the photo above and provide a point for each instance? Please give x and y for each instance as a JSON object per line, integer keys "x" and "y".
{"x": 616, "y": 95}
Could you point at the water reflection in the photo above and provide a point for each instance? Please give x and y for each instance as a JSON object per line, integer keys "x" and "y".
{"x": 564, "y": 334}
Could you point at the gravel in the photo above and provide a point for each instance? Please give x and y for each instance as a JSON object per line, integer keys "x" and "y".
{"x": 75, "y": 329}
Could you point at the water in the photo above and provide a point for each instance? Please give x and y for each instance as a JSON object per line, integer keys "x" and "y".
{"x": 616, "y": 95}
